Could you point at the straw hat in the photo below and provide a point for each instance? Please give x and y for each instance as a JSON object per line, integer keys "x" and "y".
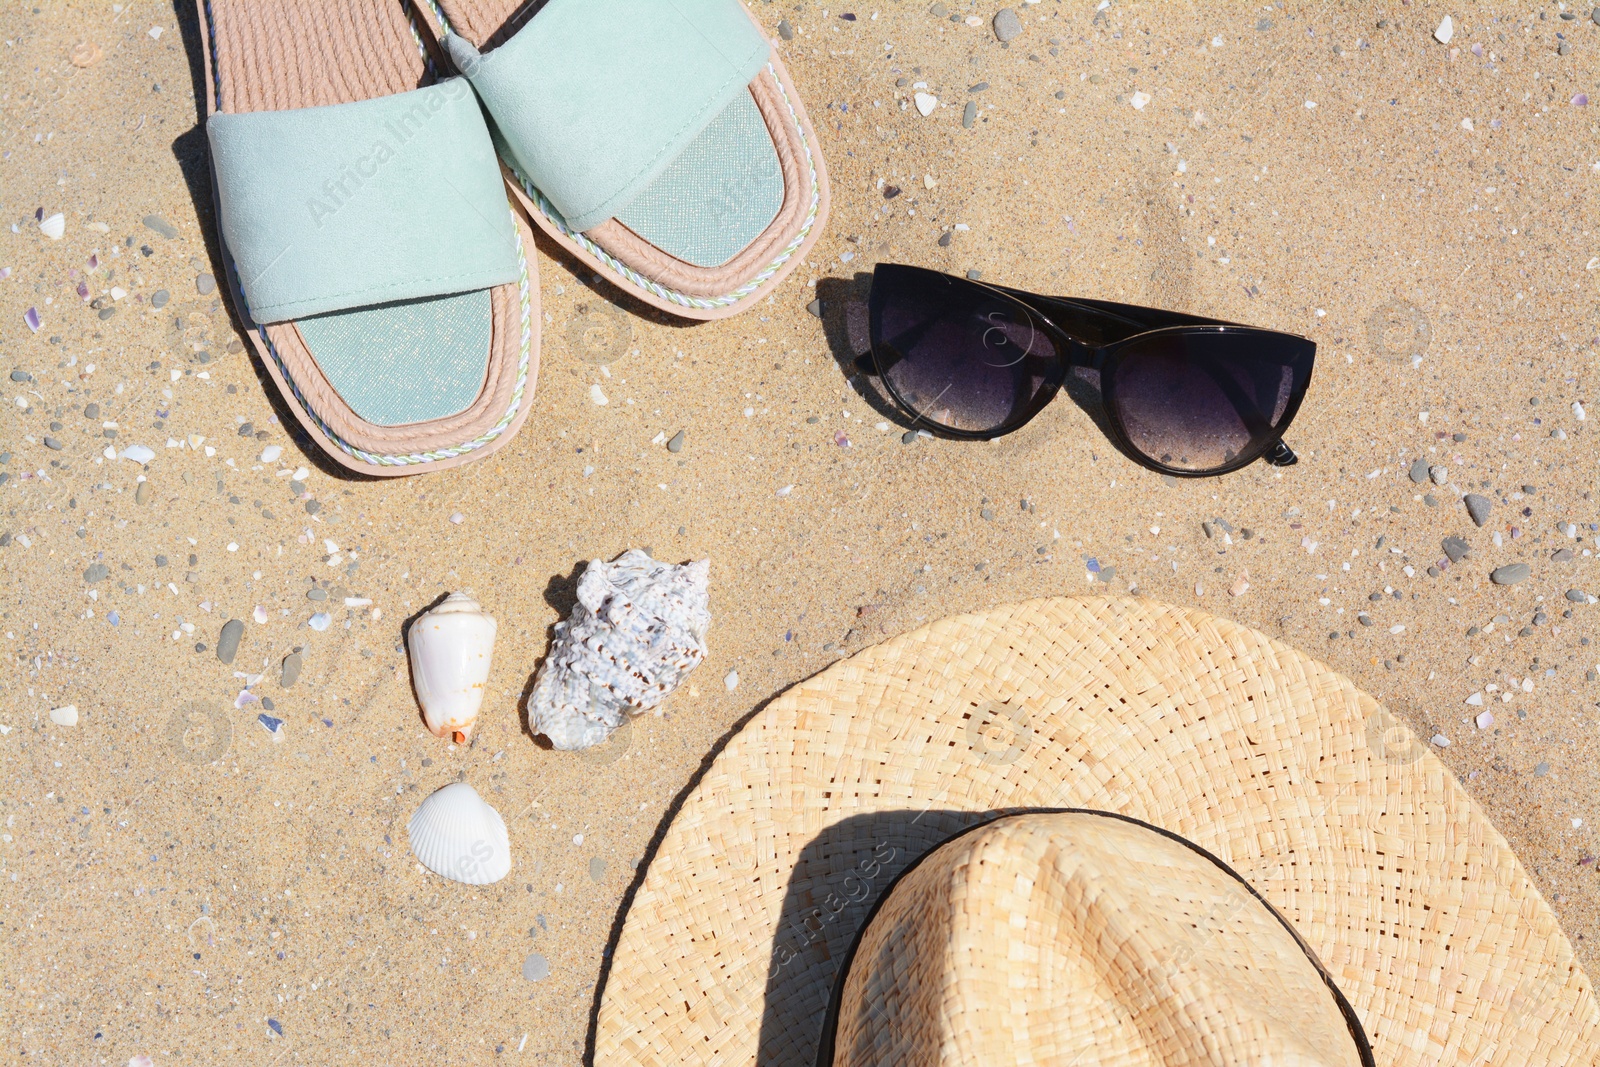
{"x": 1386, "y": 875}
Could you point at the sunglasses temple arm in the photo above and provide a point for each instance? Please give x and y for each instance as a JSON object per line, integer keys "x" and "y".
{"x": 1281, "y": 455}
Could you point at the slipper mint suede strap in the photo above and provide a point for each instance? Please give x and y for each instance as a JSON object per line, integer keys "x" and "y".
{"x": 331, "y": 208}
{"x": 594, "y": 98}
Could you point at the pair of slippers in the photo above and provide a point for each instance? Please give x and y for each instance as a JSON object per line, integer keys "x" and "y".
{"x": 375, "y": 207}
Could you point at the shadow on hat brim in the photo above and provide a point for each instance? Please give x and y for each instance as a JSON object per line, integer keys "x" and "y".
{"x": 879, "y": 830}
{"x": 1324, "y": 802}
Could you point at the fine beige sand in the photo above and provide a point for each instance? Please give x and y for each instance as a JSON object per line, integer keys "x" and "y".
{"x": 178, "y": 883}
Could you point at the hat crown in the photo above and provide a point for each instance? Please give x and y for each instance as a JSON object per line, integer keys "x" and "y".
{"x": 1083, "y": 938}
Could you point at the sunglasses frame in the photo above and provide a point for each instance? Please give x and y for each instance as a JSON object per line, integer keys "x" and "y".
{"x": 1125, "y": 325}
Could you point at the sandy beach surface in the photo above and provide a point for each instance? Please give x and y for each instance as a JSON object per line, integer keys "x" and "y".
{"x": 178, "y": 881}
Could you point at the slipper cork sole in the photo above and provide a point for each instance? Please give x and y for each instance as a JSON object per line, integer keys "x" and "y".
{"x": 633, "y": 264}
{"x": 263, "y": 55}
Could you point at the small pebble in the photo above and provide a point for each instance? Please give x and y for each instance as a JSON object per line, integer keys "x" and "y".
{"x": 1006, "y": 24}
{"x": 1484, "y": 720}
{"x": 290, "y": 670}
{"x": 1456, "y": 549}
{"x": 1478, "y": 507}
{"x": 597, "y": 869}
{"x": 161, "y": 226}
{"x": 228, "y": 640}
{"x": 96, "y": 572}
{"x": 1577, "y": 596}
{"x": 969, "y": 114}
{"x": 1440, "y": 475}
{"x": 320, "y": 621}
{"x": 731, "y": 681}
{"x": 271, "y": 453}
{"x": 535, "y": 968}
{"x": 1510, "y": 574}
{"x": 1441, "y": 741}
{"x": 205, "y": 284}
{"x": 159, "y": 298}
{"x": 785, "y": 30}
{"x": 316, "y": 594}
{"x": 1541, "y": 769}
{"x": 676, "y": 444}
{"x": 1419, "y": 471}
{"x": 65, "y": 716}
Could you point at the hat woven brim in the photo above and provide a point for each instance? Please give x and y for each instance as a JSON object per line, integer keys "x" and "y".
{"x": 1269, "y": 760}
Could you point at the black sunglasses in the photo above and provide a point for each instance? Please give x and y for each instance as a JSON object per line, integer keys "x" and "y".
{"x": 1182, "y": 395}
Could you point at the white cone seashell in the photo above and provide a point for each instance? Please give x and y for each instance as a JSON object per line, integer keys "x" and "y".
{"x": 456, "y": 834}
{"x": 638, "y": 629}
{"x": 451, "y": 651}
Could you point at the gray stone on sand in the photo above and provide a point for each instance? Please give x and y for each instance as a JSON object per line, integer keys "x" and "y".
{"x": 597, "y": 869}
{"x": 1006, "y": 24}
{"x": 1419, "y": 471}
{"x": 291, "y": 670}
{"x": 535, "y": 968}
{"x": 205, "y": 284}
{"x": 1478, "y": 507}
{"x": 1510, "y": 574}
{"x": 1455, "y": 548}
{"x": 96, "y": 572}
{"x": 159, "y": 298}
{"x": 161, "y": 226}
{"x": 969, "y": 114}
{"x": 228, "y": 640}
{"x": 785, "y": 30}
{"x": 1577, "y": 596}
{"x": 676, "y": 444}
{"x": 142, "y": 494}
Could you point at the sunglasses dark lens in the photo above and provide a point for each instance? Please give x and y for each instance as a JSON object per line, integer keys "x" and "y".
{"x": 957, "y": 355}
{"x": 1200, "y": 400}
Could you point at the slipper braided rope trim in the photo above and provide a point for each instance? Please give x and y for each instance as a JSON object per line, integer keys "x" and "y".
{"x": 548, "y": 210}
{"x": 412, "y": 458}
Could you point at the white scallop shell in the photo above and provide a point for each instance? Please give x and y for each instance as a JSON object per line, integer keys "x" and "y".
{"x": 456, "y": 834}
{"x": 452, "y": 649}
{"x": 638, "y": 629}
